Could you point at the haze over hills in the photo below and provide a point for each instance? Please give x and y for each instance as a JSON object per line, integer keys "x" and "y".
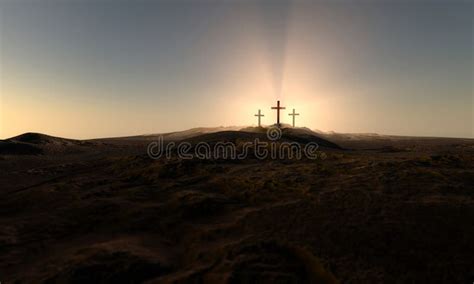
{"x": 36, "y": 143}
{"x": 180, "y": 135}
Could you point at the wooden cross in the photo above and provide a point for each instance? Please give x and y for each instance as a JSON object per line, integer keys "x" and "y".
{"x": 293, "y": 114}
{"x": 259, "y": 116}
{"x": 278, "y": 107}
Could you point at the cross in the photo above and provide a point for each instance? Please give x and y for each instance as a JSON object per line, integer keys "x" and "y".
{"x": 293, "y": 114}
{"x": 278, "y": 107}
{"x": 259, "y": 116}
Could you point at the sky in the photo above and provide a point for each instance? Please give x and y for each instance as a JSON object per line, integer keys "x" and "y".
{"x": 89, "y": 69}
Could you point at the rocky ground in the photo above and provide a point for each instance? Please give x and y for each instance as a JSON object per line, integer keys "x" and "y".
{"x": 376, "y": 209}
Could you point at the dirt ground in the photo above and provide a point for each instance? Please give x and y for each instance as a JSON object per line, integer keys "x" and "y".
{"x": 379, "y": 210}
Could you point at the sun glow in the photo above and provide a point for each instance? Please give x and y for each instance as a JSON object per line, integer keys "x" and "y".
{"x": 343, "y": 67}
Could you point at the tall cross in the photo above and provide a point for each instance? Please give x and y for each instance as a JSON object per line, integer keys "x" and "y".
{"x": 259, "y": 116}
{"x": 293, "y": 114}
{"x": 278, "y": 107}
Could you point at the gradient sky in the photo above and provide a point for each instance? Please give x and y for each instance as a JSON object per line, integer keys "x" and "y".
{"x": 86, "y": 69}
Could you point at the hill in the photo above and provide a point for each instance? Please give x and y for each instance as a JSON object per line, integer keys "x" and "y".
{"x": 31, "y": 143}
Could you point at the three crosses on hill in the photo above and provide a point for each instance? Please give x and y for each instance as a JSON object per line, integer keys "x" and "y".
{"x": 277, "y": 108}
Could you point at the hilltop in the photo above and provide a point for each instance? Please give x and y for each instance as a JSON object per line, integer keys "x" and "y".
{"x": 32, "y": 143}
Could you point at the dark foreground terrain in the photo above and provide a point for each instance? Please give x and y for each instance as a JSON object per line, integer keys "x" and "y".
{"x": 376, "y": 209}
